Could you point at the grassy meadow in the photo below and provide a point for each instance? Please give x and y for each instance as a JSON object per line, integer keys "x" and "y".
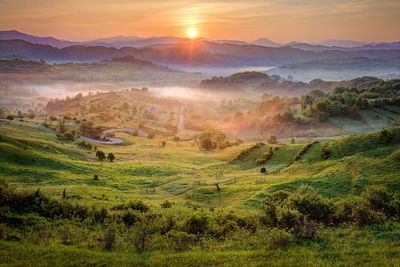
{"x": 33, "y": 158}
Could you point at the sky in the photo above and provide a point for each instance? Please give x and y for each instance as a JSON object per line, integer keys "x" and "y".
{"x": 278, "y": 20}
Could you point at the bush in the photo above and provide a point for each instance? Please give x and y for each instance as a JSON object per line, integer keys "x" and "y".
{"x": 100, "y": 155}
{"x": 180, "y": 241}
{"x": 325, "y": 152}
{"x": 379, "y": 198}
{"x": 288, "y": 218}
{"x": 272, "y": 140}
{"x": 137, "y": 205}
{"x": 166, "y": 204}
{"x": 109, "y": 239}
{"x": 65, "y": 136}
{"x": 140, "y": 235}
{"x": 355, "y": 210}
{"x": 270, "y": 204}
{"x": 111, "y": 157}
{"x": 197, "y": 224}
{"x": 314, "y": 206}
{"x": 386, "y": 136}
{"x": 278, "y": 238}
{"x": 129, "y": 218}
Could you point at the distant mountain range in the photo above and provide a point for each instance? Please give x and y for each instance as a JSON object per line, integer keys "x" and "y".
{"x": 200, "y": 52}
{"x": 340, "y": 69}
{"x": 300, "y": 60}
{"x": 135, "y": 41}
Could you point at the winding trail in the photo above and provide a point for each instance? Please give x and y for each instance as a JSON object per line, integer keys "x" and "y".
{"x": 112, "y": 140}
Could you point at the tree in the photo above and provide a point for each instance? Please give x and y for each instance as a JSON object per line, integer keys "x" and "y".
{"x": 272, "y": 139}
{"x": 61, "y": 126}
{"x": 100, "y": 155}
{"x": 10, "y": 117}
{"x": 207, "y": 144}
{"x": 64, "y": 194}
{"x": 111, "y": 157}
{"x": 292, "y": 141}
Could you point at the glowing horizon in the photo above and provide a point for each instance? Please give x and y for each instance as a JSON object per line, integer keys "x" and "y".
{"x": 279, "y": 20}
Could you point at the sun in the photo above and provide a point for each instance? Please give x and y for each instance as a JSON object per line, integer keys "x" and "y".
{"x": 191, "y": 33}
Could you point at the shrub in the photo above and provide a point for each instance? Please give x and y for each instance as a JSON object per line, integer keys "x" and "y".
{"x": 137, "y": 205}
{"x": 278, "y": 238}
{"x": 386, "y": 136}
{"x": 180, "y": 241}
{"x": 100, "y": 155}
{"x": 378, "y": 197}
{"x": 314, "y": 206}
{"x": 111, "y": 157}
{"x": 65, "y": 136}
{"x": 270, "y": 204}
{"x": 140, "y": 235}
{"x": 109, "y": 239}
{"x": 129, "y": 218}
{"x": 272, "y": 140}
{"x": 288, "y": 218}
{"x": 197, "y": 224}
{"x": 355, "y": 210}
{"x": 325, "y": 152}
{"x": 166, "y": 204}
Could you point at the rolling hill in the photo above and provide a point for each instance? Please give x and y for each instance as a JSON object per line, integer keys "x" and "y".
{"x": 197, "y": 53}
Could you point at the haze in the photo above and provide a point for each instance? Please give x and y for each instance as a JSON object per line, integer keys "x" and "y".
{"x": 279, "y": 20}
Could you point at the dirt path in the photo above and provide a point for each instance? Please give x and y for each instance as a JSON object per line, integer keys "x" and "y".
{"x": 112, "y": 140}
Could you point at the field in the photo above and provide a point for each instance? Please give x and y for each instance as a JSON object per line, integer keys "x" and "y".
{"x": 32, "y": 157}
{"x": 181, "y": 173}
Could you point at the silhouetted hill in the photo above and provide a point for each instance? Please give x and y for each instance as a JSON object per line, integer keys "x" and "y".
{"x": 16, "y": 35}
{"x": 194, "y": 53}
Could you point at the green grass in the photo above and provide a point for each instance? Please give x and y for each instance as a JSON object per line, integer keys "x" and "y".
{"x": 33, "y": 158}
{"x": 371, "y": 246}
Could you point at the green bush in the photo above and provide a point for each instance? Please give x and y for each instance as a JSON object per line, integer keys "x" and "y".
{"x": 288, "y": 218}
{"x": 166, "y": 204}
{"x": 325, "y": 152}
{"x": 314, "y": 206}
{"x": 278, "y": 238}
{"x": 355, "y": 211}
{"x": 386, "y": 136}
{"x": 180, "y": 241}
{"x": 137, "y": 205}
{"x": 109, "y": 239}
{"x": 197, "y": 224}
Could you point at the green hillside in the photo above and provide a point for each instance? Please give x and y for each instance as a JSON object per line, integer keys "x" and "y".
{"x": 177, "y": 205}
{"x": 32, "y": 157}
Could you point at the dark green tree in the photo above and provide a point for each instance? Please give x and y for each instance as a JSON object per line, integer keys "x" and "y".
{"x": 100, "y": 155}
{"x": 110, "y": 157}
